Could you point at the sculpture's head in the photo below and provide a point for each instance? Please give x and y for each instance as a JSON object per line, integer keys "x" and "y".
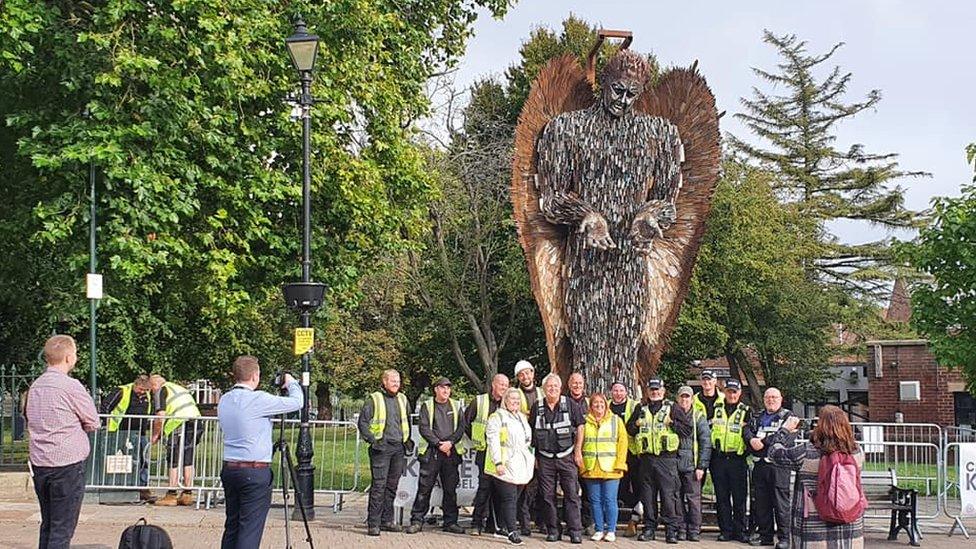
{"x": 622, "y": 81}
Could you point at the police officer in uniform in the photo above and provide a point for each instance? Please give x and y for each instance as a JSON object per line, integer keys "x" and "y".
{"x": 730, "y": 472}
{"x": 770, "y": 484}
{"x": 658, "y": 426}
{"x": 557, "y": 437}
{"x": 629, "y": 490}
{"x": 475, "y": 418}
{"x": 440, "y": 429}
{"x": 709, "y": 397}
{"x": 384, "y": 423}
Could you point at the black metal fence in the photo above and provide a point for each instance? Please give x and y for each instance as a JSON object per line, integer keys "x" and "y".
{"x": 14, "y": 382}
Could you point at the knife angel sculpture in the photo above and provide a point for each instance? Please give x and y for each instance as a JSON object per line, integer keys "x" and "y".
{"x": 610, "y": 192}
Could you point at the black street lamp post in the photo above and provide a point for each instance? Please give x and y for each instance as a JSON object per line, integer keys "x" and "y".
{"x": 305, "y": 296}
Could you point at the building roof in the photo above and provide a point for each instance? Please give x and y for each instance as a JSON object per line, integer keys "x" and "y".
{"x": 900, "y": 306}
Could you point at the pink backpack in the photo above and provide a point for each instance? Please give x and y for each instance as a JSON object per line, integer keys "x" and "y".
{"x": 839, "y": 499}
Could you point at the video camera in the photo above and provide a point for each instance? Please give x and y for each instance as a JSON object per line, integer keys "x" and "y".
{"x": 279, "y": 378}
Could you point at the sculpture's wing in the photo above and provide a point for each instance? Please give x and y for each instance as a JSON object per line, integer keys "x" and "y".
{"x": 560, "y": 87}
{"x": 683, "y": 97}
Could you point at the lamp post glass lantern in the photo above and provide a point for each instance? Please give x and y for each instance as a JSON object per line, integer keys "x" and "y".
{"x": 303, "y": 48}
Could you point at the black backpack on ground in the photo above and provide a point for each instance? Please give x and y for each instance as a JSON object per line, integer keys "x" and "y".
{"x": 143, "y": 535}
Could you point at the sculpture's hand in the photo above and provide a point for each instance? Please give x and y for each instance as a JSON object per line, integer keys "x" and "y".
{"x": 650, "y": 224}
{"x": 596, "y": 232}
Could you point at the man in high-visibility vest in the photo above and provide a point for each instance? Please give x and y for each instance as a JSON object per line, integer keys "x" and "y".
{"x": 770, "y": 484}
{"x": 694, "y": 453}
{"x": 709, "y": 397}
{"x": 730, "y": 472}
{"x": 658, "y": 425}
{"x": 475, "y": 418}
{"x": 177, "y": 411}
{"x": 384, "y": 423}
{"x": 629, "y": 490}
{"x": 528, "y": 503}
{"x": 441, "y": 429}
{"x": 131, "y": 399}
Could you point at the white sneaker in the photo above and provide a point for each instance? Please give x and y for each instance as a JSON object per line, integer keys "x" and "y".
{"x": 597, "y": 537}
{"x": 610, "y": 536}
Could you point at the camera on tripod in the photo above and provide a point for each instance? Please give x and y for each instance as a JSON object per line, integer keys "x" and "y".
{"x": 279, "y": 378}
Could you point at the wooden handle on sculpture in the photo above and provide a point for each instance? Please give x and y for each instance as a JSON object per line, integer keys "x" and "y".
{"x": 601, "y": 36}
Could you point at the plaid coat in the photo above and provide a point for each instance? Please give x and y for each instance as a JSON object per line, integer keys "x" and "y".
{"x": 807, "y": 531}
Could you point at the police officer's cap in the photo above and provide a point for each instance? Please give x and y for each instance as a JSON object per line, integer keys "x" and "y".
{"x": 733, "y": 385}
{"x": 655, "y": 384}
{"x": 707, "y": 374}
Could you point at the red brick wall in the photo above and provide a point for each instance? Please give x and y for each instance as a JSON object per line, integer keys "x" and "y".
{"x": 911, "y": 362}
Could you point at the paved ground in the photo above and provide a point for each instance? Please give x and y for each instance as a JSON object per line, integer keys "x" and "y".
{"x": 101, "y": 525}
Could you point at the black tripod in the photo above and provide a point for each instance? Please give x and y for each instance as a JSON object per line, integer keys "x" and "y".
{"x": 285, "y": 464}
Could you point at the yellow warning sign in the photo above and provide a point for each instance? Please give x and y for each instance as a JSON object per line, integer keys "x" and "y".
{"x": 304, "y": 338}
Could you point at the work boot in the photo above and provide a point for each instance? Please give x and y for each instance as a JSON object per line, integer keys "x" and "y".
{"x": 453, "y": 529}
{"x": 525, "y": 531}
{"x": 373, "y": 531}
{"x": 390, "y": 527}
{"x": 575, "y": 537}
{"x": 474, "y": 531}
{"x": 414, "y": 528}
{"x": 671, "y": 537}
{"x": 589, "y": 530}
{"x": 552, "y": 536}
{"x": 694, "y": 536}
{"x": 186, "y": 498}
{"x": 647, "y": 535}
{"x": 146, "y": 496}
{"x": 631, "y": 530}
{"x": 169, "y": 500}
{"x": 783, "y": 544}
{"x": 681, "y": 535}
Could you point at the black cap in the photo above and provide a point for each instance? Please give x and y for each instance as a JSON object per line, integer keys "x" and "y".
{"x": 442, "y": 381}
{"x": 707, "y": 374}
{"x": 654, "y": 384}
{"x": 733, "y": 384}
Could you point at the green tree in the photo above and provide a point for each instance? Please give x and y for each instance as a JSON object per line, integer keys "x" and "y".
{"x": 944, "y": 307}
{"x": 750, "y": 300}
{"x": 797, "y": 140}
{"x": 198, "y": 158}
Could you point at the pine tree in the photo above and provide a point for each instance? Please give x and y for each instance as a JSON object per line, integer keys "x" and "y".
{"x": 798, "y": 142}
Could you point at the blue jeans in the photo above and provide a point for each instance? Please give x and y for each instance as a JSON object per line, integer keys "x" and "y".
{"x": 603, "y": 500}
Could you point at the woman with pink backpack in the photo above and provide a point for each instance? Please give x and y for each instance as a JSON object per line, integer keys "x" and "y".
{"x": 828, "y": 503}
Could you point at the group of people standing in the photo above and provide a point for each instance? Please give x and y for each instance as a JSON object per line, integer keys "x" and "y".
{"x": 651, "y": 456}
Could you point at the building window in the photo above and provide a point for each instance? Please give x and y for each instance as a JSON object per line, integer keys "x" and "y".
{"x": 965, "y": 406}
{"x": 909, "y": 391}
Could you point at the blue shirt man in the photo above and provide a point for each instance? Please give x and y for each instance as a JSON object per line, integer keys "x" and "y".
{"x": 245, "y": 419}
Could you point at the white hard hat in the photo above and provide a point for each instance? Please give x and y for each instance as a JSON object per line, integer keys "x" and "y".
{"x": 523, "y": 365}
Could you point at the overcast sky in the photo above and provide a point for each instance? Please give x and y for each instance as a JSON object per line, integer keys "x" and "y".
{"x": 919, "y": 54}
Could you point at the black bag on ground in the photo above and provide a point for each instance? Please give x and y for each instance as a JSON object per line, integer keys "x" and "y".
{"x": 143, "y": 535}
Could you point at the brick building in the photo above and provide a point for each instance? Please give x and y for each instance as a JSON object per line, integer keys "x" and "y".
{"x": 903, "y": 376}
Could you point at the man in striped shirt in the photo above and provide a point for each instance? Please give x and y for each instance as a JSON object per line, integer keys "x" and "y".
{"x": 59, "y": 413}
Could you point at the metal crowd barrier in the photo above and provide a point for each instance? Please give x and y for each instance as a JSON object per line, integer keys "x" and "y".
{"x": 954, "y": 437}
{"x": 125, "y": 460}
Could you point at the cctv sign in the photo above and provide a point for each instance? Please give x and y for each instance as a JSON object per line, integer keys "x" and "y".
{"x": 967, "y": 478}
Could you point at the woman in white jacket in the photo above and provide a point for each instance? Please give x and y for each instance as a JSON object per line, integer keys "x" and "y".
{"x": 510, "y": 461}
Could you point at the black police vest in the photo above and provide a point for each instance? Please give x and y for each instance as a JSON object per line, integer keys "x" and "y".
{"x": 558, "y": 435}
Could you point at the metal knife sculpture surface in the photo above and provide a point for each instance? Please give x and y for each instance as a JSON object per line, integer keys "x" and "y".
{"x": 611, "y": 190}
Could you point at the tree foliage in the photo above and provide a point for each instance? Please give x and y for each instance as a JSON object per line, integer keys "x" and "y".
{"x": 198, "y": 164}
{"x": 944, "y": 308}
{"x": 797, "y": 133}
{"x": 750, "y": 300}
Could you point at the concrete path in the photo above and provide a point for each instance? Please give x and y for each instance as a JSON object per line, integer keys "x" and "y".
{"x": 101, "y": 525}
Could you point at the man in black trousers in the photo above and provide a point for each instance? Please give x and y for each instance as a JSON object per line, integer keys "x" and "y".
{"x": 384, "y": 423}
{"x": 770, "y": 484}
{"x": 440, "y": 429}
{"x": 245, "y": 419}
